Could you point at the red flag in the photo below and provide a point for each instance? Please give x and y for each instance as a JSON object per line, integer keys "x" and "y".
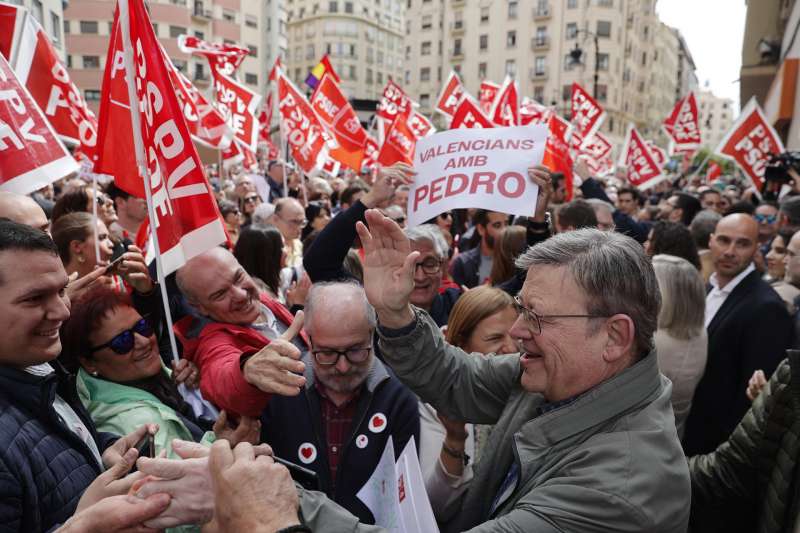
{"x": 305, "y": 133}
{"x": 399, "y": 145}
{"x": 659, "y": 153}
{"x": 556, "y": 151}
{"x": 326, "y": 62}
{"x": 420, "y": 126}
{"x": 641, "y": 164}
{"x": 31, "y": 156}
{"x": 469, "y": 115}
{"x": 450, "y": 96}
{"x": 238, "y": 104}
{"x": 587, "y": 114}
{"x": 750, "y": 142}
{"x": 713, "y": 172}
{"x": 505, "y": 110}
{"x": 686, "y": 128}
{"x": 336, "y": 113}
{"x": 370, "y": 153}
{"x": 531, "y": 112}
{"x": 597, "y": 147}
{"x": 223, "y": 58}
{"x": 274, "y": 70}
{"x": 486, "y": 95}
{"x": 394, "y": 102}
{"x": 265, "y": 119}
{"x": 232, "y": 155}
{"x": 206, "y": 123}
{"x": 187, "y": 220}
{"x": 669, "y": 122}
{"x": 40, "y": 69}
{"x": 115, "y": 151}
{"x": 12, "y": 20}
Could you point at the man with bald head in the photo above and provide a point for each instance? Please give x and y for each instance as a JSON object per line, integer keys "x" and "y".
{"x": 23, "y": 210}
{"x": 748, "y": 329}
{"x": 225, "y": 336}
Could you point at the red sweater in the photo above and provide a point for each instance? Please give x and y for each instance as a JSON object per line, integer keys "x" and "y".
{"x": 217, "y": 349}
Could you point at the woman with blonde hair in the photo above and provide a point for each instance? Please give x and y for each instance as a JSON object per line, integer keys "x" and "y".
{"x": 512, "y": 242}
{"x": 479, "y": 323}
{"x": 681, "y": 340}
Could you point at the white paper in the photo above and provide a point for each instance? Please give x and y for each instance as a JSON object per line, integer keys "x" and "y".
{"x": 415, "y": 507}
{"x": 379, "y": 493}
{"x": 482, "y": 168}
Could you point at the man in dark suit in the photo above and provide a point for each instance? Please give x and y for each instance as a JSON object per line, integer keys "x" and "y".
{"x": 748, "y": 329}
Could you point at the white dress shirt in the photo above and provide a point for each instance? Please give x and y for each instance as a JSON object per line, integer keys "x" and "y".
{"x": 717, "y": 296}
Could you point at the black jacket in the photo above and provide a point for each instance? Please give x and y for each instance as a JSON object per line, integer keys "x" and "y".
{"x": 289, "y": 423}
{"x": 750, "y": 331}
{"x": 625, "y": 224}
{"x": 44, "y": 466}
{"x": 466, "y": 266}
{"x": 323, "y": 261}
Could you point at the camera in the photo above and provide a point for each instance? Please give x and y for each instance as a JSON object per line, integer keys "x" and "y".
{"x": 778, "y": 167}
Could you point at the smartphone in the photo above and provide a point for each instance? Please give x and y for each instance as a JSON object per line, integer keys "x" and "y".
{"x": 147, "y": 446}
{"x": 112, "y": 266}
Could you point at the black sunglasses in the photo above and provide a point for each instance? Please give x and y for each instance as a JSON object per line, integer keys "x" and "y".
{"x": 123, "y": 342}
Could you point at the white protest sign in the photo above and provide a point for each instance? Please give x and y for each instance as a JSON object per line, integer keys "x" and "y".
{"x": 395, "y": 493}
{"x": 483, "y": 168}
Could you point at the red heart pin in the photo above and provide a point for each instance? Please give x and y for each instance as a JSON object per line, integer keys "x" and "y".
{"x": 306, "y": 451}
{"x": 377, "y": 421}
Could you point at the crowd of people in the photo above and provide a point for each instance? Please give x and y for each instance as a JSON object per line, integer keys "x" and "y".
{"x": 618, "y": 360}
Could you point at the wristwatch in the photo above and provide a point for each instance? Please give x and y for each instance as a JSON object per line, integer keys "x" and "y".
{"x": 456, "y": 454}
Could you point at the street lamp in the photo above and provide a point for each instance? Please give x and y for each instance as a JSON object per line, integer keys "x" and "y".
{"x": 576, "y": 53}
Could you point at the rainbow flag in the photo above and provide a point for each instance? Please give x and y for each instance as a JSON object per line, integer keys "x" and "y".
{"x": 323, "y": 67}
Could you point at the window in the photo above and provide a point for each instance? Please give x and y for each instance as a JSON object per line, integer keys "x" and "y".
{"x": 251, "y": 21}
{"x": 199, "y": 71}
{"x": 175, "y": 31}
{"x": 91, "y": 94}
{"x": 91, "y": 61}
{"x": 425, "y": 48}
{"x": 348, "y": 8}
{"x": 572, "y": 4}
{"x": 603, "y": 28}
{"x": 572, "y": 30}
{"x": 539, "y": 65}
{"x": 69, "y": 61}
{"x": 379, "y": 78}
{"x": 605, "y": 3}
{"x": 253, "y": 50}
{"x": 644, "y": 59}
{"x": 483, "y": 42}
{"x": 458, "y": 20}
{"x": 310, "y": 51}
{"x": 513, "y": 8}
{"x": 228, "y": 15}
{"x": 380, "y": 58}
{"x": 199, "y": 34}
{"x": 541, "y": 36}
{"x": 511, "y": 39}
{"x": 602, "y": 61}
{"x": 568, "y": 62}
{"x": 427, "y": 22}
{"x": 55, "y": 21}
{"x": 67, "y": 28}
{"x": 88, "y": 26}
{"x": 538, "y": 94}
{"x": 425, "y": 100}
{"x": 484, "y": 15}
{"x": 250, "y": 78}
{"x": 481, "y": 70}
{"x": 333, "y": 7}
{"x": 457, "y": 47}
{"x": 38, "y": 11}
{"x": 369, "y": 75}
{"x": 351, "y": 69}
{"x": 511, "y": 68}
{"x": 602, "y": 92}
{"x": 351, "y": 50}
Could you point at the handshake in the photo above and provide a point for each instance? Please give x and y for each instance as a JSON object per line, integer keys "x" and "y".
{"x": 221, "y": 488}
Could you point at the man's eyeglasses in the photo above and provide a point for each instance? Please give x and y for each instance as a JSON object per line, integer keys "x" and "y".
{"x": 429, "y": 266}
{"x": 535, "y": 320}
{"x": 250, "y": 199}
{"x": 302, "y": 223}
{"x": 768, "y": 219}
{"x": 329, "y": 357}
{"x": 123, "y": 342}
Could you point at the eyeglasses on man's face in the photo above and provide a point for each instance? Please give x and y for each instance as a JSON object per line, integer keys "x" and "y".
{"x": 765, "y": 219}
{"x": 330, "y": 357}
{"x": 534, "y": 320}
{"x": 430, "y": 265}
{"x": 299, "y": 222}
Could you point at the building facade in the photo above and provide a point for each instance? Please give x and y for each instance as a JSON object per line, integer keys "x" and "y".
{"x": 363, "y": 39}
{"x": 87, "y": 26}
{"x": 636, "y": 58}
{"x": 716, "y": 117}
{"x": 50, "y": 14}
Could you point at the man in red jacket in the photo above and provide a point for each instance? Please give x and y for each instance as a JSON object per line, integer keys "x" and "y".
{"x": 227, "y": 335}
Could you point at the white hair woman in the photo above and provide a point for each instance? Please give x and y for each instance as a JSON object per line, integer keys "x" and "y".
{"x": 681, "y": 341}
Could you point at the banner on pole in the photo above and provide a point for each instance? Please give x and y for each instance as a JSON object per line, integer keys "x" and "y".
{"x": 238, "y": 105}
{"x": 469, "y": 115}
{"x": 393, "y": 103}
{"x": 307, "y": 137}
{"x": 399, "y": 144}
{"x": 486, "y": 96}
{"x": 641, "y": 164}
{"x": 587, "y": 114}
{"x": 223, "y": 58}
{"x": 750, "y": 143}
{"x": 451, "y": 94}
{"x": 505, "y": 110}
{"x": 336, "y": 113}
{"x": 31, "y": 155}
{"x": 481, "y": 168}
{"x": 683, "y": 126}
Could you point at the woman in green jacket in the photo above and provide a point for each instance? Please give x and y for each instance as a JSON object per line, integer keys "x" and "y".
{"x": 122, "y": 380}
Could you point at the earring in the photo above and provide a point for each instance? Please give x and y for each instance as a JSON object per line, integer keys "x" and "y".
{"x": 81, "y": 259}
{"x": 95, "y": 373}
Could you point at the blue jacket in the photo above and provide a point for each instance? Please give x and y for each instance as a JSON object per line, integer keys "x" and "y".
{"x": 44, "y": 466}
{"x": 290, "y": 422}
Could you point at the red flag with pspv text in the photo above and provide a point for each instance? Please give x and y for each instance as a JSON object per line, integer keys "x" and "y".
{"x": 641, "y": 164}
{"x": 308, "y": 138}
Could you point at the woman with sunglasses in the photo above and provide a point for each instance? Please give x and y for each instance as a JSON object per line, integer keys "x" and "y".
{"x": 122, "y": 380}
{"x": 248, "y": 204}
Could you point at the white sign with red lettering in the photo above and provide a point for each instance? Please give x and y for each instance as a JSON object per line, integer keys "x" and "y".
{"x": 485, "y": 168}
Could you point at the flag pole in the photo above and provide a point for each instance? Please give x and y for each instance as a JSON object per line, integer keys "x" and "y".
{"x": 141, "y": 163}
{"x": 94, "y": 218}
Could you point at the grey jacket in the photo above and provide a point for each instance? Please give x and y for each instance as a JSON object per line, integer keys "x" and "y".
{"x": 608, "y": 461}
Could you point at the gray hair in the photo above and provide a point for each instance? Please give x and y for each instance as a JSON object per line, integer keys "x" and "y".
{"x": 346, "y": 292}
{"x": 702, "y": 226}
{"x": 683, "y": 297}
{"x": 262, "y": 213}
{"x": 597, "y": 203}
{"x": 431, "y": 234}
{"x": 613, "y": 271}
